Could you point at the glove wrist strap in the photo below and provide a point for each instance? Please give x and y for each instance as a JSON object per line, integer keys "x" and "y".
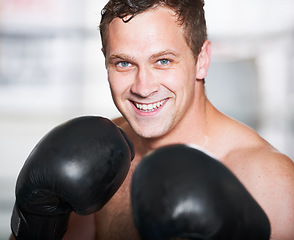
{"x": 27, "y": 226}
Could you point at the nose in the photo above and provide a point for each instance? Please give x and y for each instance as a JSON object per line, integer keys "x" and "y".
{"x": 145, "y": 83}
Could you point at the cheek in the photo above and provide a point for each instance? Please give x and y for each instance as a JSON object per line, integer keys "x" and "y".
{"x": 178, "y": 81}
{"x": 117, "y": 84}
{"x": 115, "y": 89}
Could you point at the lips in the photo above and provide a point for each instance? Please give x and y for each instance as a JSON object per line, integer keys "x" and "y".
{"x": 150, "y": 107}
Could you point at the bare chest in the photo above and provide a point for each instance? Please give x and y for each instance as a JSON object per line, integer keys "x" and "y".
{"x": 115, "y": 220}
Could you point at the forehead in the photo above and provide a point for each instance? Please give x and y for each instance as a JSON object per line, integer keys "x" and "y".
{"x": 152, "y": 29}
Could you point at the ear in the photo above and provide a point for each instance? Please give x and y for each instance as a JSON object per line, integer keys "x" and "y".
{"x": 203, "y": 60}
{"x": 102, "y": 50}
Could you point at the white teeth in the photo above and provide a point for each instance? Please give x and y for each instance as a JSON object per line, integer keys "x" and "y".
{"x": 149, "y": 107}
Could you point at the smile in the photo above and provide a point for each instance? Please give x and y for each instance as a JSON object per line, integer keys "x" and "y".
{"x": 149, "y": 107}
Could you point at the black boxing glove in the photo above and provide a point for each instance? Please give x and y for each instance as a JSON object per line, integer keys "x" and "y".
{"x": 180, "y": 192}
{"x": 77, "y": 166}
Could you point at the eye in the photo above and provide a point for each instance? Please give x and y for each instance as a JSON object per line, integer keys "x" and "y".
{"x": 163, "y": 62}
{"x": 123, "y": 64}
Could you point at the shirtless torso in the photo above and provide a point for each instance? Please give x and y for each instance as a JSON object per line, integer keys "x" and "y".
{"x": 241, "y": 149}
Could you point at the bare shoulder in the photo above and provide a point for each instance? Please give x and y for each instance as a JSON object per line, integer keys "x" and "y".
{"x": 119, "y": 121}
{"x": 81, "y": 227}
{"x": 263, "y": 164}
{"x": 266, "y": 173}
{"x": 123, "y": 124}
{"x": 269, "y": 176}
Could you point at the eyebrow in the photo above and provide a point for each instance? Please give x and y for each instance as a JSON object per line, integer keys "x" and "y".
{"x": 164, "y": 53}
{"x": 126, "y": 57}
{"x": 121, "y": 56}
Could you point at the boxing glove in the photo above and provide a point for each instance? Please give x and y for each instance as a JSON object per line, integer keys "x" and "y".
{"x": 179, "y": 191}
{"x": 77, "y": 166}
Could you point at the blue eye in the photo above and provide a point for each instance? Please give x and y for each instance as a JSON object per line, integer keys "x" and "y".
{"x": 163, "y": 61}
{"x": 123, "y": 64}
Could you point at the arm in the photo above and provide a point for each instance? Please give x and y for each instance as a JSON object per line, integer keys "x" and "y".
{"x": 81, "y": 227}
{"x": 269, "y": 177}
{"x": 276, "y": 195}
{"x": 181, "y": 192}
{"x": 77, "y": 166}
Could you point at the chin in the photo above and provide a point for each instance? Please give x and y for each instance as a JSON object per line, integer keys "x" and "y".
{"x": 153, "y": 127}
{"x": 150, "y": 132}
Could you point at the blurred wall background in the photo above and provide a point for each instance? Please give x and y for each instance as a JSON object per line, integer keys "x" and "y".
{"x": 52, "y": 69}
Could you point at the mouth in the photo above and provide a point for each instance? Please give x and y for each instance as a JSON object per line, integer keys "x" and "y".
{"x": 150, "y": 107}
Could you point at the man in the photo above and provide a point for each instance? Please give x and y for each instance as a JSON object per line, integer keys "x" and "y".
{"x": 157, "y": 56}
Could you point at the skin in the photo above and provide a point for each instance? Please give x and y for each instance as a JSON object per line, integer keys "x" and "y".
{"x": 152, "y": 64}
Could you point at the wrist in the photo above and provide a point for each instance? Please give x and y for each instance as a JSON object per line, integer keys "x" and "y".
{"x": 28, "y": 226}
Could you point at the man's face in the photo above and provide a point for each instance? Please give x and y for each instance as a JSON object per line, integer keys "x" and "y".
{"x": 151, "y": 71}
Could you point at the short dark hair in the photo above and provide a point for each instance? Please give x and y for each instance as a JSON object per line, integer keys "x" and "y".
{"x": 190, "y": 14}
